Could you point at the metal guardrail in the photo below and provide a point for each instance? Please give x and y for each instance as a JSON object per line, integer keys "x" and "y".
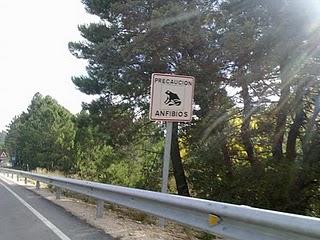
{"x": 226, "y": 220}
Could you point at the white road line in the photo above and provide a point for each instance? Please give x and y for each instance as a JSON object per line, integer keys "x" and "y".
{"x": 49, "y": 224}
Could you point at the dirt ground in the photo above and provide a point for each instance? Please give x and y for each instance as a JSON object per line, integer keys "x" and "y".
{"x": 118, "y": 222}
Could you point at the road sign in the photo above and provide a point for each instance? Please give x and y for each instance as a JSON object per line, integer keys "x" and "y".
{"x": 3, "y": 155}
{"x": 171, "y": 97}
{"x": 171, "y": 101}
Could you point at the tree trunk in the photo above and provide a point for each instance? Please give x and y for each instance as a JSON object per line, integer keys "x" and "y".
{"x": 245, "y": 127}
{"x": 226, "y": 155}
{"x": 281, "y": 116}
{"x": 178, "y": 171}
{"x": 292, "y": 136}
{"x": 295, "y": 126}
{"x": 310, "y": 130}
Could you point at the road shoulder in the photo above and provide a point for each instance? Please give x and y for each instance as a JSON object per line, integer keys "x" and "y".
{"x": 115, "y": 223}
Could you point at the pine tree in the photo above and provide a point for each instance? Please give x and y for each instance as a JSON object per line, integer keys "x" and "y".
{"x": 43, "y": 136}
{"x": 137, "y": 38}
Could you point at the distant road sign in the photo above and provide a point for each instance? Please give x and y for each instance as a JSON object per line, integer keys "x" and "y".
{"x": 171, "y": 97}
{"x": 3, "y": 155}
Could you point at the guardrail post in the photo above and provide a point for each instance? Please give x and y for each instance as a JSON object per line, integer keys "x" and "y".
{"x": 18, "y": 178}
{"x": 12, "y": 175}
{"x": 58, "y": 193}
{"x": 25, "y": 181}
{"x": 37, "y": 185}
{"x": 100, "y": 208}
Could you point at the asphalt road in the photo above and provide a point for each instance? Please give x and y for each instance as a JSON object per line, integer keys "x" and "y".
{"x": 26, "y": 215}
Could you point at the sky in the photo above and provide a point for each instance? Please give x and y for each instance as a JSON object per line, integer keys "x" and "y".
{"x": 34, "y": 55}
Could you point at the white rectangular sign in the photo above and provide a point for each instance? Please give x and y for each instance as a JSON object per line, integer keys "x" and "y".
{"x": 171, "y": 97}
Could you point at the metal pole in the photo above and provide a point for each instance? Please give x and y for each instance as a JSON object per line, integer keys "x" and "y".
{"x": 166, "y": 164}
{"x": 99, "y": 208}
{"x": 58, "y": 193}
{"x": 166, "y": 158}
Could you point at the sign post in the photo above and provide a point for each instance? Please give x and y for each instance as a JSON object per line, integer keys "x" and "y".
{"x": 171, "y": 101}
{"x": 166, "y": 158}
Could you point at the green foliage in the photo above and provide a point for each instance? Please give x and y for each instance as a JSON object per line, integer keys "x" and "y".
{"x": 3, "y": 135}
{"x": 254, "y": 144}
{"x": 124, "y": 173}
{"x": 43, "y": 136}
{"x": 134, "y": 165}
{"x": 93, "y": 163}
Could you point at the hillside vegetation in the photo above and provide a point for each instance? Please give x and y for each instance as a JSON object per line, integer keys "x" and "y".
{"x": 255, "y": 134}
